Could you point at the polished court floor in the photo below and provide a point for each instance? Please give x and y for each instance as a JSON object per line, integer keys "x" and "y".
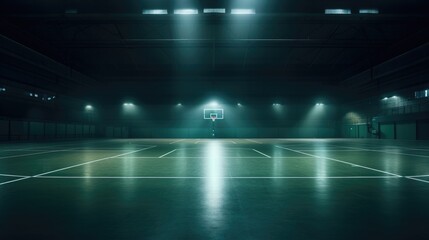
{"x": 215, "y": 189}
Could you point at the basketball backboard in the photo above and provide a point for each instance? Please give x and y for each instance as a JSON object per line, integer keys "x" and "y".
{"x": 213, "y": 113}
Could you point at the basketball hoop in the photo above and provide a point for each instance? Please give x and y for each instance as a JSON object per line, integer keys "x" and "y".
{"x": 213, "y": 117}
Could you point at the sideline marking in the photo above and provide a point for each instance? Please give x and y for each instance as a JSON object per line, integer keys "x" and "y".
{"x": 389, "y": 152}
{"x": 90, "y": 162}
{"x": 177, "y": 141}
{"x": 15, "y": 180}
{"x": 73, "y": 166}
{"x": 53, "y": 145}
{"x": 203, "y": 157}
{"x": 250, "y": 140}
{"x": 12, "y": 175}
{"x": 38, "y": 153}
{"x": 167, "y": 153}
{"x": 178, "y": 177}
{"x": 416, "y": 179}
{"x": 418, "y": 176}
{"x": 340, "y": 161}
{"x": 261, "y": 153}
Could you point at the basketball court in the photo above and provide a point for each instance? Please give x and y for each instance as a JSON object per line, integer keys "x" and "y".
{"x": 214, "y": 120}
{"x": 221, "y": 188}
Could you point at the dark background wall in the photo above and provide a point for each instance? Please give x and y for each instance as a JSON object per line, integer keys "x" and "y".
{"x": 355, "y": 108}
{"x": 388, "y": 107}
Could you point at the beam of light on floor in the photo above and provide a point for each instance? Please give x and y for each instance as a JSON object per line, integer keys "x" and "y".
{"x": 214, "y": 170}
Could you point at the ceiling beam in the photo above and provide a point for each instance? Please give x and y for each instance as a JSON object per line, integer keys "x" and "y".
{"x": 245, "y": 43}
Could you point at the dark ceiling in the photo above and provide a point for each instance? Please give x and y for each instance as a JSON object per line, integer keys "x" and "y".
{"x": 285, "y": 42}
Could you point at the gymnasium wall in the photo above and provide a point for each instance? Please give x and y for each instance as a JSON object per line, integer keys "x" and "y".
{"x": 14, "y": 130}
{"x": 390, "y": 104}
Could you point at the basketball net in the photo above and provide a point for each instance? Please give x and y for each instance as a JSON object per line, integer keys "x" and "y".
{"x": 213, "y": 117}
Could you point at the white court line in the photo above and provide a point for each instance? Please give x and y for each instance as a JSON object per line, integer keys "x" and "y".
{"x": 418, "y": 176}
{"x": 73, "y": 166}
{"x": 12, "y": 175}
{"x": 90, "y": 162}
{"x": 224, "y": 157}
{"x": 38, "y": 153}
{"x": 382, "y": 151}
{"x": 250, "y": 140}
{"x": 233, "y": 142}
{"x": 340, "y": 161}
{"x": 177, "y": 141}
{"x": 178, "y": 177}
{"x": 261, "y": 153}
{"x": 16, "y": 180}
{"x": 167, "y": 153}
{"x": 54, "y": 145}
{"x": 326, "y": 150}
{"x": 416, "y": 179}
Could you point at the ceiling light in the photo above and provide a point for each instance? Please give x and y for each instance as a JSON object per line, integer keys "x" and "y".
{"x": 214, "y": 104}
{"x": 154, "y": 11}
{"x": 242, "y": 11}
{"x": 368, "y": 11}
{"x": 214, "y": 10}
{"x": 185, "y": 11}
{"x": 338, "y": 11}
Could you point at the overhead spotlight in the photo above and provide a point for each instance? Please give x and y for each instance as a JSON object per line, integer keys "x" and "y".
{"x": 185, "y": 11}
{"x": 368, "y": 11}
{"x": 128, "y": 104}
{"x": 214, "y": 10}
{"x": 319, "y": 104}
{"x": 2, "y": 89}
{"x": 88, "y": 107}
{"x": 179, "y": 104}
{"x": 239, "y": 104}
{"x": 214, "y": 104}
{"x": 242, "y": 11}
{"x": 338, "y": 11}
{"x": 385, "y": 98}
{"x": 154, "y": 11}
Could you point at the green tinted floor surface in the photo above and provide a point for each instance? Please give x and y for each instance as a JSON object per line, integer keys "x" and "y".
{"x": 215, "y": 189}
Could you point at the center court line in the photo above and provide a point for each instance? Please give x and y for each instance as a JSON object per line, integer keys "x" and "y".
{"x": 261, "y": 153}
{"x": 250, "y": 140}
{"x": 167, "y": 153}
{"x": 382, "y": 151}
{"x": 77, "y": 165}
{"x": 230, "y": 177}
{"x": 340, "y": 161}
{"x": 177, "y": 141}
